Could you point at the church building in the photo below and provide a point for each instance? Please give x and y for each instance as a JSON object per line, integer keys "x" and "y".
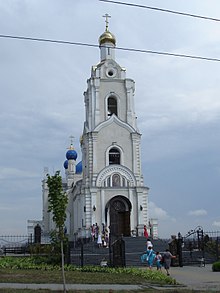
{"x": 106, "y": 188}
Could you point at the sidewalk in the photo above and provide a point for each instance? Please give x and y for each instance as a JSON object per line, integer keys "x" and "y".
{"x": 55, "y": 287}
{"x": 197, "y": 278}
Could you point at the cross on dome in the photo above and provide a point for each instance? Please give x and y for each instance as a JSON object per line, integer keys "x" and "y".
{"x": 107, "y": 36}
{"x": 106, "y": 20}
{"x": 71, "y": 142}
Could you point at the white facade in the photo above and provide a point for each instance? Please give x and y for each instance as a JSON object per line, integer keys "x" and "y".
{"x": 110, "y": 189}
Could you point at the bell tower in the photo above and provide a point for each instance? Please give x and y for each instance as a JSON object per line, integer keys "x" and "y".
{"x": 112, "y": 184}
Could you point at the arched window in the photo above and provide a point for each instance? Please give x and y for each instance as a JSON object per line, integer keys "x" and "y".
{"x": 114, "y": 156}
{"x": 108, "y": 181}
{"x": 112, "y": 106}
{"x": 116, "y": 180}
{"x": 124, "y": 181}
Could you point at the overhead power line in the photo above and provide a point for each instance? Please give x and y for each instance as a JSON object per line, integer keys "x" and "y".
{"x": 118, "y": 48}
{"x": 161, "y": 9}
{"x": 47, "y": 40}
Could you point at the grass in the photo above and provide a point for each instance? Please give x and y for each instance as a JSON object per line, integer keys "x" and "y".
{"x": 76, "y": 277}
{"x": 72, "y": 277}
{"x": 35, "y": 270}
{"x": 30, "y": 271}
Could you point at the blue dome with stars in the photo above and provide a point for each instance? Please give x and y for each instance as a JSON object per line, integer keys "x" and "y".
{"x": 65, "y": 164}
{"x": 71, "y": 155}
{"x": 79, "y": 168}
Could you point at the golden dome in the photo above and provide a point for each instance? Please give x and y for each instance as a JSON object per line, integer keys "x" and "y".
{"x": 107, "y": 37}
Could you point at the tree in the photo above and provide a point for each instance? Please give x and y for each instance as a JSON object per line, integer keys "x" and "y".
{"x": 58, "y": 200}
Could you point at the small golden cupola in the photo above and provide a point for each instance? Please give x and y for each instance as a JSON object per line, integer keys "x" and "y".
{"x": 107, "y": 36}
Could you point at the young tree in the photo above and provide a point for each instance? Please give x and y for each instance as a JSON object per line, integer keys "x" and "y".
{"x": 58, "y": 200}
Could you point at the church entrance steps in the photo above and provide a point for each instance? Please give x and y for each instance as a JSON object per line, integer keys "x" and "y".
{"x": 90, "y": 254}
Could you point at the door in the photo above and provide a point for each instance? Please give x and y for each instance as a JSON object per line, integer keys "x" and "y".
{"x": 119, "y": 218}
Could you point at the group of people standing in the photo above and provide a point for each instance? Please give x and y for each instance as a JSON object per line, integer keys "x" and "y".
{"x": 162, "y": 260}
{"x": 100, "y": 236}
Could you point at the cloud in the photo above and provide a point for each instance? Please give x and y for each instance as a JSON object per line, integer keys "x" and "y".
{"x": 216, "y": 224}
{"x": 198, "y": 213}
{"x": 7, "y": 208}
{"x": 16, "y": 173}
{"x": 158, "y": 213}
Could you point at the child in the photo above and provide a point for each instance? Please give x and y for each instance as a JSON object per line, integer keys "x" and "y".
{"x": 158, "y": 259}
{"x": 99, "y": 241}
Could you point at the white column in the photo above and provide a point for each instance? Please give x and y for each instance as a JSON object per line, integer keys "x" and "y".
{"x": 140, "y": 211}
{"x": 132, "y": 216}
{"x": 96, "y": 101}
{"x": 102, "y": 212}
{"x": 93, "y": 204}
{"x": 129, "y": 84}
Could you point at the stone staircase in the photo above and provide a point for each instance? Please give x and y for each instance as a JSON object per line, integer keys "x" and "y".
{"x": 90, "y": 254}
{"x": 136, "y": 246}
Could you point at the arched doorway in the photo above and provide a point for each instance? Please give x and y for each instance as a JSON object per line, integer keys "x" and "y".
{"x": 119, "y": 215}
{"x": 37, "y": 234}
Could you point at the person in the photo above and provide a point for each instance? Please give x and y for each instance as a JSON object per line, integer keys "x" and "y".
{"x": 99, "y": 241}
{"x": 158, "y": 259}
{"x": 167, "y": 260}
{"x": 93, "y": 232}
{"x": 106, "y": 237}
{"x": 149, "y": 243}
{"x": 145, "y": 231}
{"x": 96, "y": 231}
{"x": 149, "y": 257}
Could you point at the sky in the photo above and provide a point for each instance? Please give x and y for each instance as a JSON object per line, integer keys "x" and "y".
{"x": 177, "y": 102}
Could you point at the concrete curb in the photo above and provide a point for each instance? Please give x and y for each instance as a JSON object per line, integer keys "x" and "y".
{"x": 54, "y": 287}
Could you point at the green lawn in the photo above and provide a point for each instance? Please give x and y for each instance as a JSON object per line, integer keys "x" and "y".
{"x": 35, "y": 270}
{"x": 8, "y": 275}
{"x": 32, "y": 271}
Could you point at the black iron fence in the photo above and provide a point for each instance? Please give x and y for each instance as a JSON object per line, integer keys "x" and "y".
{"x": 89, "y": 253}
{"x": 20, "y": 244}
{"x": 197, "y": 247}
{"x": 14, "y": 244}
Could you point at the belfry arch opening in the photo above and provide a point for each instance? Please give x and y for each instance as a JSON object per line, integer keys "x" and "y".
{"x": 114, "y": 156}
{"x": 118, "y": 210}
{"x": 112, "y": 106}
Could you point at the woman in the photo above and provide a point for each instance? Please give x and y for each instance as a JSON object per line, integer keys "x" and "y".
{"x": 149, "y": 257}
{"x": 167, "y": 257}
{"x": 149, "y": 244}
{"x": 145, "y": 231}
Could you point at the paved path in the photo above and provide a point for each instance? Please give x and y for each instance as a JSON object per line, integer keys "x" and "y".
{"x": 196, "y": 278}
{"x": 55, "y": 287}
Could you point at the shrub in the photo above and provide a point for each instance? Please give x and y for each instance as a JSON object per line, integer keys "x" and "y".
{"x": 216, "y": 266}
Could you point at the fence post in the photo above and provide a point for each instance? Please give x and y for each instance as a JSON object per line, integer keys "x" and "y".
{"x": 82, "y": 256}
{"x": 217, "y": 249}
{"x": 110, "y": 249}
{"x": 179, "y": 249}
{"x": 119, "y": 253}
{"x": 67, "y": 254}
{"x": 31, "y": 238}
